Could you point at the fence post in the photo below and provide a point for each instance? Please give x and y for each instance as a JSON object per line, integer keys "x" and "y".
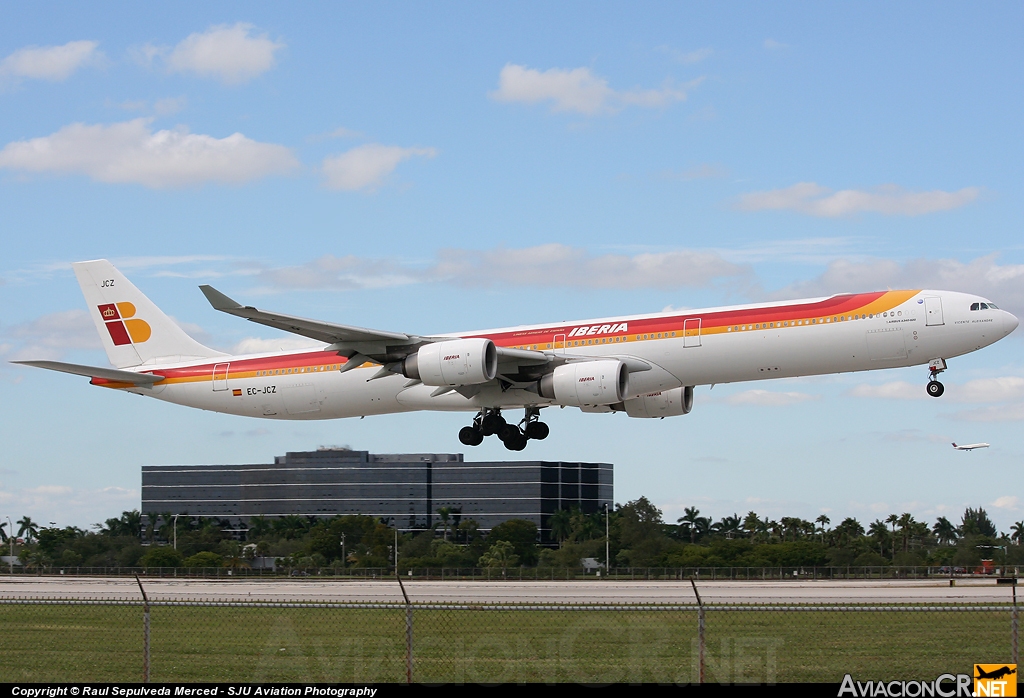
{"x": 145, "y": 632}
{"x": 408, "y": 630}
{"x": 700, "y": 633}
{"x": 1014, "y": 651}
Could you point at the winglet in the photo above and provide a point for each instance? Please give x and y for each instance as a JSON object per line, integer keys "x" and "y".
{"x": 218, "y": 300}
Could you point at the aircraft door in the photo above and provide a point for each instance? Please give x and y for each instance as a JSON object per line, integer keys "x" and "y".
{"x": 691, "y": 332}
{"x": 220, "y": 377}
{"x": 933, "y": 311}
{"x": 559, "y": 343}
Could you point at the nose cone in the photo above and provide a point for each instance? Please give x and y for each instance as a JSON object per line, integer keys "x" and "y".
{"x": 1010, "y": 322}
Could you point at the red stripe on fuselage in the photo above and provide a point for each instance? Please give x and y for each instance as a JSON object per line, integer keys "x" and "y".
{"x": 828, "y": 307}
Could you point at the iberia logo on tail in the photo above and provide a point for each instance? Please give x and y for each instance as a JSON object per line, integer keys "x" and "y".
{"x": 123, "y": 326}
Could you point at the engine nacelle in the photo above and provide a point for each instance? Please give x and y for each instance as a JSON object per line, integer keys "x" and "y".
{"x": 458, "y": 362}
{"x": 586, "y": 383}
{"x": 667, "y": 403}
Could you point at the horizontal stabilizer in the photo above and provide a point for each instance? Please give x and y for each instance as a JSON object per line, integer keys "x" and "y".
{"x": 110, "y": 374}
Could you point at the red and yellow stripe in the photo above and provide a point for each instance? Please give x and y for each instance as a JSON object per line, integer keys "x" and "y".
{"x": 835, "y": 309}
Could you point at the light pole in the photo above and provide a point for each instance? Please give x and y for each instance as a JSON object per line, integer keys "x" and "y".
{"x": 607, "y": 540}
{"x": 175, "y": 517}
{"x": 343, "y": 551}
{"x": 11, "y": 538}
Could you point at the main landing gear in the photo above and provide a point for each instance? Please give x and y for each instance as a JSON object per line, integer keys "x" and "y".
{"x": 935, "y": 367}
{"x": 514, "y": 436}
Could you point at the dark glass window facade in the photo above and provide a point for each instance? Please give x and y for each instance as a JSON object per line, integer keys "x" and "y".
{"x": 403, "y": 489}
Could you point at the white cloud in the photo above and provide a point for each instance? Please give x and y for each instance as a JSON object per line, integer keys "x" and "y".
{"x": 255, "y": 345}
{"x": 815, "y": 200}
{"x": 50, "y": 489}
{"x": 70, "y": 505}
{"x": 229, "y": 53}
{"x": 549, "y": 266}
{"x": 896, "y": 390}
{"x": 160, "y": 107}
{"x": 702, "y": 171}
{"x": 130, "y": 152}
{"x": 913, "y": 436}
{"x": 1006, "y": 502}
{"x": 768, "y": 398}
{"x": 996, "y": 413}
{"x": 563, "y": 266}
{"x": 50, "y": 337}
{"x": 366, "y": 166}
{"x": 53, "y": 63}
{"x": 687, "y": 57}
{"x": 773, "y": 45}
{"x": 342, "y": 132}
{"x": 1002, "y": 389}
{"x": 1001, "y": 283}
{"x": 577, "y": 90}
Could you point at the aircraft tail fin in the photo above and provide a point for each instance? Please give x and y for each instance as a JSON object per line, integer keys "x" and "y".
{"x": 133, "y": 330}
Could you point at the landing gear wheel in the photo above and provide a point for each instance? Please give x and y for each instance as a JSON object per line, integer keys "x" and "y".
{"x": 537, "y": 431}
{"x": 508, "y": 431}
{"x": 470, "y": 436}
{"x": 514, "y": 439}
{"x": 491, "y": 424}
{"x": 935, "y": 388}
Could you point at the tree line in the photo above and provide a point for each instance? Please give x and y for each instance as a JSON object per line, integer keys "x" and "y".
{"x": 637, "y": 536}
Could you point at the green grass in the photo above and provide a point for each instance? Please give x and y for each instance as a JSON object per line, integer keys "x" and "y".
{"x": 203, "y": 643}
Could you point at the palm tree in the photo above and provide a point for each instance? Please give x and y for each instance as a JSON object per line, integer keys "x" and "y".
{"x": 906, "y": 524}
{"x": 944, "y": 530}
{"x": 689, "y": 521}
{"x": 584, "y": 526}
{"x": 751, "y": 524}
{"x": 822, "y": 522}
{"x": 258, "y": 527}
{"x": 1018, "y": 532}
{"x": 878, "y": 531}
{"x": 560, "y": 525}
{"x": 3, "y": 533}
{"x": 848, "y": 530}
{"x": 445, "y": 514}
{"x": 28, "y": 529}
{"x": 892, "y": 520}
{"x": 728, "y": 526}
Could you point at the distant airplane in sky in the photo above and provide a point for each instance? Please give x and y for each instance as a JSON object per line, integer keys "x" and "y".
{"x": 643, "y": 365}
{"x": 969, "y": 447}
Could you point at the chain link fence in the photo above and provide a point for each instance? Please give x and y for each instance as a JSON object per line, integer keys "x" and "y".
{"x": 180, "y": 641}
{"x": 799, "y": 572}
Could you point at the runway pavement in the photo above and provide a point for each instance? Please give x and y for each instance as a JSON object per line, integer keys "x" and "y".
{"x": 593, "y": 591}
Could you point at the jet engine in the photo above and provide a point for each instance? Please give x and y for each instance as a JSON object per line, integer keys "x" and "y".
{"x": 458, "y": 362}
{"x": 667, "y": 403}
{"x": 602, "y": 382}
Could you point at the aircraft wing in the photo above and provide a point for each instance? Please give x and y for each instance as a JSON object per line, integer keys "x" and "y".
{"x": 386, "y": 347}
{"x": 110, "y": 374}
{"x": 327, "y": 332}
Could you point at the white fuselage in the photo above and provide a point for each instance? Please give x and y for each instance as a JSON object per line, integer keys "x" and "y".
{"x": 857, "y": 332}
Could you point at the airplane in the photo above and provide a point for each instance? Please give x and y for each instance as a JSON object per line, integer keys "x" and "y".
{"x": 644, "y": 365}
{"x": 969, "y": 447}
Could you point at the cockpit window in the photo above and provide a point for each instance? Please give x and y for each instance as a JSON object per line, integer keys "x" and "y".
{"x": 992, "y": 306}
{"x": 975, "y": 306}
{"x": 984, "y": 306}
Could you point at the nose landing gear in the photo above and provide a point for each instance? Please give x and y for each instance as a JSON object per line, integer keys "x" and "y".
{"x": 935, "y": 367}
{"x": 515, "y": 437}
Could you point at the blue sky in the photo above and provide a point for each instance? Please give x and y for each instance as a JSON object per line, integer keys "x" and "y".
{"x": 433, "y": 168}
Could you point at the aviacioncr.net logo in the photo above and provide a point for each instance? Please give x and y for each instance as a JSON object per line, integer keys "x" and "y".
{"x": 123, "y": 326}
{"x": 945, "y": 686}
